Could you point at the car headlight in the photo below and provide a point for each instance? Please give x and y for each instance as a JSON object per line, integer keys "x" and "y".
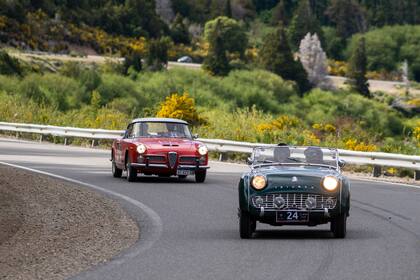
{"x": 202, "y": 150}
{"x": 330, "y": 183}
{"x": 259, "y": 182}
{"x": 141, "y": 149}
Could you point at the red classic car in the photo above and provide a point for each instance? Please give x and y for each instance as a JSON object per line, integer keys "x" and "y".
{"x": 159, "y": 146}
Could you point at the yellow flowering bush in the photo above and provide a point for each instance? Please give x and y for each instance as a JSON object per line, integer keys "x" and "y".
{"x": 3, "y": 22}
{"x": 328, "y": 128}
{"x": 416, "y": 134}
{"x": 337, "y": 68}
{"x": 281, "y": 123}
{"x": 355, "y": 145}
{"x": 414, "y": 102}
{"x": 180, "y": 107}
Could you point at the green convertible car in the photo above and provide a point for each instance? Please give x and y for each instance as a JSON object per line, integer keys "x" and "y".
{"x": 294, "y": 186}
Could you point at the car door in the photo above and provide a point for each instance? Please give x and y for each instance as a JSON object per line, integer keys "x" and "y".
{"x": 121, "y": 145}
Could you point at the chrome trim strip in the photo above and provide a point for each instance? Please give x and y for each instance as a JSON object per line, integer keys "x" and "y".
{"x": 149, "y": 165}
{"x": 193, "y": 166}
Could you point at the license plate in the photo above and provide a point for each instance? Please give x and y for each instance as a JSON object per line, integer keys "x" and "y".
{"x": 184, "y": 172}
{"x": 292, "y": 216}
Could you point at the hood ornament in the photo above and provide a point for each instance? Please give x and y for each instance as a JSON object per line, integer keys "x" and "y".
{"x": 294, "y": 179}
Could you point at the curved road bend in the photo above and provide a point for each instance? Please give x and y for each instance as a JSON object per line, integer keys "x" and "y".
{"x": 200, "y": 239}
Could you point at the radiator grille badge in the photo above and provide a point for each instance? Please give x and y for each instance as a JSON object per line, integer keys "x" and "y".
{"x": 172, "y": 156}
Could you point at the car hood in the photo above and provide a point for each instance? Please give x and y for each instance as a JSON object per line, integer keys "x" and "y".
{"x": 167, "y": 143}
{"x": 295, "y": 178}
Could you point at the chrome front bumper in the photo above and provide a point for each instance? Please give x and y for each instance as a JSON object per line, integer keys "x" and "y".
{"x": 179, "y": 167}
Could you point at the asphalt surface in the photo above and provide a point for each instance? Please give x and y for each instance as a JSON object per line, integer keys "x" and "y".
{"x": 199, "y": 237}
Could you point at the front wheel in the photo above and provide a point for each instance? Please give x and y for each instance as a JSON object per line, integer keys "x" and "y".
{"x": 339, "y": 226}
{"x": 200, "y": 176}
{"x": 116, "y": 172}
{"x": 131, "y": 172}
{"x": 247, "y": 225}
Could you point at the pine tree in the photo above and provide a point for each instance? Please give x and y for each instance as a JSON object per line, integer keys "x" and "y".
{"x": 303, "y": 22}
{"x": 358, "y": 69}
{"x": 348, "y": 16}
{"x": 314, "y": 60}
{"x": 227, "y": 11}
{"x": 216, "y": 61}
{"x": 279, "y": 14}
{"x": 179, "y": 31}
{"x": 276, "y": 56}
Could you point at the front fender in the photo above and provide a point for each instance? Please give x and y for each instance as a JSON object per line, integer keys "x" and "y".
{"x": 345, "y": 196}
{"x": 243, "y": 190}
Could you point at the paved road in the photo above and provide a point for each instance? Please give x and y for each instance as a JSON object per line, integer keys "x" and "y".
{"x": 200, "y": 240}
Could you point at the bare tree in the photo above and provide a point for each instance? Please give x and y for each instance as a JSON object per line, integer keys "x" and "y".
{"x": 314, "y": 60}
{"x": 406, "y": 81}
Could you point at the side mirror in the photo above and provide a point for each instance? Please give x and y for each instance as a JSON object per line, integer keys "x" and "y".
{"x": 195, "y": 136}
{"x": 249, "y": 161}
{"x": 341, "y": 163}
{"x": 125, "y": 134}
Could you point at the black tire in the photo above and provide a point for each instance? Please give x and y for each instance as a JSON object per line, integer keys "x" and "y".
{"x": 339, "y": 226}
{"x": 131, "y": 172}
{"x": 182, "y": 177}
{"x": 247, "y": 225}
{"x": 116, "y": 172}
{"x": 200, "y": 176}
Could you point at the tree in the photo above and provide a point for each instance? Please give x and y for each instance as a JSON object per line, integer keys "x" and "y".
{"x": 226, "y": 38}
{"x": 132, "y": 61}
{"x": 227, "y": 11}
{"x": 303, "y": 22}
{"x": 314, "y": 60}
{"x": 405, "y": 79}
{"x": 276, "y": 56}
{"x": 279, "y": 14}
{"x": 157, "y": 53}
{"x": 9, "y": 65}
{"x": 216, "y": 61}
{"x": 230, "y": 32}
{"x": 179, "y": 31}
{"x": 358, "y": 69}
{"x": 348, "y": 16}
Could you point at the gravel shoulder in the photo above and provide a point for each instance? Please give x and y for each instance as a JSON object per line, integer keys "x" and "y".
{"x": 50, "y": 229}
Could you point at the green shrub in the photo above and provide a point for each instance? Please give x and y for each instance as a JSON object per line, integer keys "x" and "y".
{"x": 389, "y": 46}
{"x": 9, "y": 65}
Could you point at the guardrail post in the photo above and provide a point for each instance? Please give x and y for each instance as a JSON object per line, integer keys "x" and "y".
{"x": 377, "y": 170}
{"x": 40, "y": 138}
{"x": 223, "y": 157}
{"x": 417, "y": 175}
{"x": 93, "y": 143}
{"x": 65, "y": 141}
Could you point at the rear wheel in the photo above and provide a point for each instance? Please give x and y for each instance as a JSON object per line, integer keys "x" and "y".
{"x": 339, "y": 226}
{"x": 247, "y": 225}
{"x": 116, "y": 172}
{"x": 200, "y": 176}
{"x": 131, "y": 172}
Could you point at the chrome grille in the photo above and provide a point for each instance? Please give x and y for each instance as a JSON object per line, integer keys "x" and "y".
{"x": 156, "y": 159}
{"x": 172, "y": 157}
{"x": 188, "y": 160}
{"x": 294, "y": 201}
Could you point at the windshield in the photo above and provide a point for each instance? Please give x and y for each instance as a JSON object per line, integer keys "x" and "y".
{"x": 286, "y": 155}
{"x": 159, "y": 129}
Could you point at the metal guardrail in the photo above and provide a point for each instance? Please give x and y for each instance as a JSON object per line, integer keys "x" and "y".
{"x": 376, "y": 159}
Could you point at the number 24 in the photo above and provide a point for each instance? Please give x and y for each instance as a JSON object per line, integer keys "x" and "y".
{"x": 292, "y": 215}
